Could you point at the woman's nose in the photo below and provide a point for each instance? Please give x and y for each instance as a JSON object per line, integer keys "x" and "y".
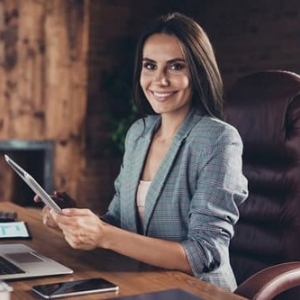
{"x": 161, "y": 77}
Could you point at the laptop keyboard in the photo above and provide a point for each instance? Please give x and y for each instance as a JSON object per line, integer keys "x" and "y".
{"x": 6, "y": 267}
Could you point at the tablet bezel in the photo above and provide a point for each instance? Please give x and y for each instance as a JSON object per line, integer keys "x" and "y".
{"x": 33, "y": 184}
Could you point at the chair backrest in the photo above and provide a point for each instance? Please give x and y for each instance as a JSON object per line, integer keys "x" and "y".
{"x": 265, "y": 108}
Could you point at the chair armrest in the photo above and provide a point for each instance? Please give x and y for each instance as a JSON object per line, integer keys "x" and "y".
{"x": 270, "y": 282}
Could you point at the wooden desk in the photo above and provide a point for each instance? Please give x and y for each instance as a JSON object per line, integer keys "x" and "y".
{"x": 131, "y": 276}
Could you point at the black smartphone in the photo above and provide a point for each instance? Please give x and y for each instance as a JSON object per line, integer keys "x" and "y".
{"x": 74, "y": 288}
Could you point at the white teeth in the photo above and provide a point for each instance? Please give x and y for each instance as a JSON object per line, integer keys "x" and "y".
{"x": 162, "y": 95}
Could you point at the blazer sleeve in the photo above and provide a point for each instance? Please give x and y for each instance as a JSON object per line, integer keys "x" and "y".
{"x": 221, "y": 187}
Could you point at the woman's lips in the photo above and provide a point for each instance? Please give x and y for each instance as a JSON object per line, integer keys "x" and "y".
{"x": 162, "y": 96}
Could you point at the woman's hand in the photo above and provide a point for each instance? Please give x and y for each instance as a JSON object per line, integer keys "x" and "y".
{"x": 47, "y": 218}
{"x": 81, "y": 227}
{"x": 62, "y": 199}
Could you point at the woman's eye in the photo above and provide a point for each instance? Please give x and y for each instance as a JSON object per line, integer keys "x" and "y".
{"x": 149, "y": 66}
{"x": 177, "y": 67}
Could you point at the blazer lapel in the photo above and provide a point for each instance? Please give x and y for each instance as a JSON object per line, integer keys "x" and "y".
{"x": 162, "y": 173}
{"x": 132, "y": 182}
{"x": 158, "y": 182}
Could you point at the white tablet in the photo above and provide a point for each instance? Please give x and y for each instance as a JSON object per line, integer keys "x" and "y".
{"x": 31, "y": 182}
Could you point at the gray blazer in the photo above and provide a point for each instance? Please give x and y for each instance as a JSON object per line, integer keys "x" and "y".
{"x": 194, "y": 197}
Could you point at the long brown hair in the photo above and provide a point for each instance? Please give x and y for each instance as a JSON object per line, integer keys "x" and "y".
{"x": 205, "y": 76}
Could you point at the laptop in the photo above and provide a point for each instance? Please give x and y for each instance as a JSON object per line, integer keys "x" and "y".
{"x": 32, "y": 183}
{"x": 20, "y": 261}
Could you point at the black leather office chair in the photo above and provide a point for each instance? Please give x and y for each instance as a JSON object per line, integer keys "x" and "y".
{"x": 265, "y": 108}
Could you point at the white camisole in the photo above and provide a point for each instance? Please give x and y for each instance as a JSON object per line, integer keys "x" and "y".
{"x": 141, "y": 198}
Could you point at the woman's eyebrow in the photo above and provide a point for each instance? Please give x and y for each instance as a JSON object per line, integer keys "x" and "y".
{"x": 176, "y": 60}
{"x": 173, "y": 60}
{"x": 148, "y": 59}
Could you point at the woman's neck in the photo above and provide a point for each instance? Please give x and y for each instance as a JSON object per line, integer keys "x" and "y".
{"x": 169, "y": 126}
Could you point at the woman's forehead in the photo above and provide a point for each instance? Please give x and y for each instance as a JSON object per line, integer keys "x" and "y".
{"x": 163, "y": 47}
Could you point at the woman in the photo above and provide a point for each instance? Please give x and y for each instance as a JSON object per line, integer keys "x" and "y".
{"x": 177, "y": 194}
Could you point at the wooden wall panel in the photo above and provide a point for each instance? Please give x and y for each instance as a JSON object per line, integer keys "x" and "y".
{"x": 43, "y": 83}
{"x": 29, "y": 102}
{"x": 3, "y": 105}
{"x": 9, "y": 58}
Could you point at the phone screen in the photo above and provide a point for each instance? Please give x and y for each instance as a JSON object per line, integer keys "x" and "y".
{"x": 72, "y": 288}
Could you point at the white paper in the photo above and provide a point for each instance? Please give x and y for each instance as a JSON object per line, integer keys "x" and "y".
{"x": 13, "y": 229}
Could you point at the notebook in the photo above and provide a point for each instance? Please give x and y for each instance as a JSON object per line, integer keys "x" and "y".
{"x": 173, "y": 294}
{"x": 22, "y": 261}
{"x": 32, "y": 183}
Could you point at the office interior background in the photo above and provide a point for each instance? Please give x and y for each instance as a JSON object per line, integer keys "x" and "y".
{"x": 65, "y": 76}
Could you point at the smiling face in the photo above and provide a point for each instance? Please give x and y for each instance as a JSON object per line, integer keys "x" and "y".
{"x": 165, "y": 78}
